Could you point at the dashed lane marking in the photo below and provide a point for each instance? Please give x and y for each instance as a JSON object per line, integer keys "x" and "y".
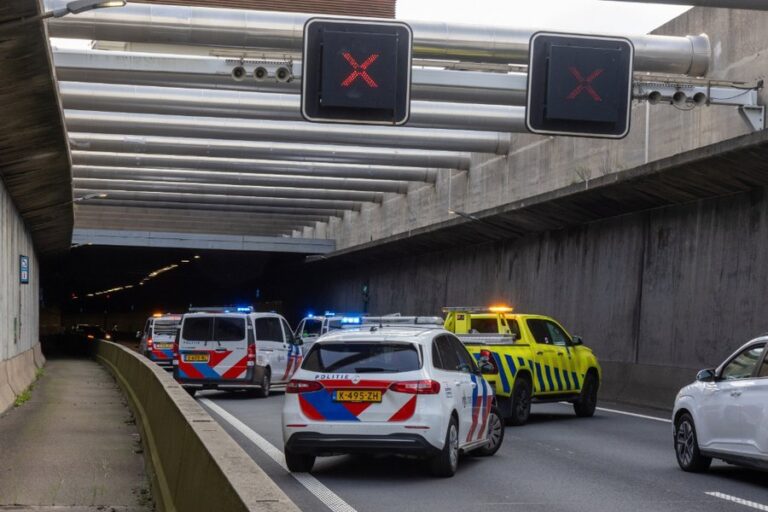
{"x": 625, "y": 413}
{"x": 740, "y": 501}
{"x": 329, "y": 498}
{"x": 633, "y": 414}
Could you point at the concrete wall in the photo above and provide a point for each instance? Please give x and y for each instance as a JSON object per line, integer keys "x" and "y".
{"x": 658, "y": 294}
{"x": 537, "y": 165}
{"x": 19, "y": 316}
{"x": 186, "y": 449}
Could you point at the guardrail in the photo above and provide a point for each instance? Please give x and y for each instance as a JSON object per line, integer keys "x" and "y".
{"x": 194, "y": 465}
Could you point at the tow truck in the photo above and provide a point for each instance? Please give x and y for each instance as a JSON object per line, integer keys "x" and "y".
{"x": 534, "y": 359}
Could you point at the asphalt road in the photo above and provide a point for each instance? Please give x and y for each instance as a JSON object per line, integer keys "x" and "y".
{"x": 612, "y": 462}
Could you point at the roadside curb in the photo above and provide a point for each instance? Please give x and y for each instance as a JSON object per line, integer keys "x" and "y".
{"x": 193, "y": 463}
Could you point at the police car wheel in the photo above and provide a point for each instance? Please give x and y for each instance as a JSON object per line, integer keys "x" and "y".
{"x": 521, "y": 402}
{"x": 266, "y": 383}
{"x": 585, "y": 406}
{"x": 495, "y": 434}
{"x": 689, "y": 458}
{"x": 446, "y": 463}
{"x": 299, "y": 462}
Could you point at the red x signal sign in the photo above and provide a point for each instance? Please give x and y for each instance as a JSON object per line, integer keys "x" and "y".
{"x": 585, "y": 84}
{"x": 359, "y": 70}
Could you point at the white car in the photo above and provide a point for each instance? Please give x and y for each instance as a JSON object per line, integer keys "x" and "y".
{"x": 390, "y": 390}
{"x": 724, "y": 414}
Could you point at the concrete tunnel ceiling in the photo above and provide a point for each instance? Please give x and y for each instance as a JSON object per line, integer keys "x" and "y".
{"x": 163, "y": 137}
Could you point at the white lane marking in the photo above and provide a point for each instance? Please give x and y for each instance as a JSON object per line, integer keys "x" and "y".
{"x": 329, "y": 498}
{"x": 625, "y": 413}
{"x": 740, "y": 501}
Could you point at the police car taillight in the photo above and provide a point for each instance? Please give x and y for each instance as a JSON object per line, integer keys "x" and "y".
{"x": 149, "y": 342}
{"x": 251, "y": 355}
{"x": 417, "y": 387}
{"x": 488, "y": 357}
{"x": 175, "y": 349}
{"x": 302, "y": 386}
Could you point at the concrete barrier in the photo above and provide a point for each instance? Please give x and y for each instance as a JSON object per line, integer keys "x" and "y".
{"x": 193, "y": 463}
{"x": 642, "y": 384}
{"x": 17, "y": 373}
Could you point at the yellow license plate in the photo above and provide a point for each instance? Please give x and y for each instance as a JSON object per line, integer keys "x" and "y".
{"x": 164, "y": 345}
{"x": 355, "y": 395}
{"x": 196, "y": 358}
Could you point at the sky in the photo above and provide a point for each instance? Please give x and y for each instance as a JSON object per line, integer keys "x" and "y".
{"x": 589, "y": 16}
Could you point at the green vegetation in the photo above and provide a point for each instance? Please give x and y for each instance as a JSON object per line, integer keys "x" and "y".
{"x": 25, "y": 395}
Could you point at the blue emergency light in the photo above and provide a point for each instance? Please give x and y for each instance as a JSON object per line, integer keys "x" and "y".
{"x": 351, "y": 320}
{"x": 330, "y": 313}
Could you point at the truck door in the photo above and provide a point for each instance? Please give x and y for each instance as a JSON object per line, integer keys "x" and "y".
{"x": 548, "y": 358}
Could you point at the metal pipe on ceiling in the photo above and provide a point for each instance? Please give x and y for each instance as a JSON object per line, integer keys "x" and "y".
{"x": 235, "y": 128}
{"x": 211, "y": 27}
{"x": 236, "y": 178}
{"x": 163, "y": 217}
{"x": 240, "y": 190}
{"x": 231, "y": 226}
{"x": 282, "y": 151}
{"x": 276, "y": 213}
{"x": 209, "y": 72}
{"x": 374, "y": 172}
{"x": 272, "y": 203}
{"x": 275, "y": 106}
{"x": 759, "y": 5}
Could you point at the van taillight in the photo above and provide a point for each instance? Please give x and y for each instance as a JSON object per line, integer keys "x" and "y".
{"x": 302, "y": 386}
{"x": 252, "y": 352}
{"x": 417, "y": 387}
{"x": 149, "y": 342}
{"x": 488, "y": 356}
{"x": 175, "y": 349}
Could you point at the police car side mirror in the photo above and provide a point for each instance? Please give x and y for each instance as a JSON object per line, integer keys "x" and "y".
{"x": 706, "y": 376}
{"x": 577, "y": 340}
{"x": 297, "y": 340}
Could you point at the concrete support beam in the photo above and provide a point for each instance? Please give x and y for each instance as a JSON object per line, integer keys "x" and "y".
{"x": 201, "y": 241}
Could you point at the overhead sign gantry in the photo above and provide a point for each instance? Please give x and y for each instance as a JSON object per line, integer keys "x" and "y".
{"x": 579, "y": 85}
{"x": 356, "y": 71}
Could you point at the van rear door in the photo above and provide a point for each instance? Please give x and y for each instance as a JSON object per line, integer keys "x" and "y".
{"x": 213, "y": 347}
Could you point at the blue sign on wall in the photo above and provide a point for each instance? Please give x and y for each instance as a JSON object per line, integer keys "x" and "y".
{"x": 24, "y": 269}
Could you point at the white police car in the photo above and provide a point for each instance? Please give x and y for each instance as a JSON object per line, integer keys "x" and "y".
{"x": 390, "y": 390}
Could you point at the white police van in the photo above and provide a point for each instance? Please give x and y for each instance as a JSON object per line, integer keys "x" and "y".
{"x": 235, "y": 349}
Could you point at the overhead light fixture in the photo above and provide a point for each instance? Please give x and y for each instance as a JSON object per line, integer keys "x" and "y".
{"x": 197, "y": 257}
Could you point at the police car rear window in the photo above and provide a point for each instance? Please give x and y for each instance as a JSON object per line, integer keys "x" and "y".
{"x": 362, "y": 358}
{"x": 210, "y": 328}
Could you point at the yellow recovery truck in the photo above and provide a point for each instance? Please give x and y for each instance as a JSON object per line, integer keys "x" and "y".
{"x": 533, "y": 359}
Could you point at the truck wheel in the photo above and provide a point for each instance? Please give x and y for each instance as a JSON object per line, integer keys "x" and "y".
{"x": 586, "y": 404}
{"x": 446, "y": 463}
{"x": 266, "y": 383}
{"x": 299, "y": 462}
{"x": 495, "y": 434}
{"x": 521, "y": 402}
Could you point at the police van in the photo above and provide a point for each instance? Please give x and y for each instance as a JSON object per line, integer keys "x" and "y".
{"x": 158, "y": 337}
{"x": 235, "y": 349}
